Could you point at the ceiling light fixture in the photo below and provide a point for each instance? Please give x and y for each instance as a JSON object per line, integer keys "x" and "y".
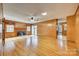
{"x": 45, "y": 13}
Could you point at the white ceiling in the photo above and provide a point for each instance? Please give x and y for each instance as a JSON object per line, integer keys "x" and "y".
{"x": 23, "y": 11}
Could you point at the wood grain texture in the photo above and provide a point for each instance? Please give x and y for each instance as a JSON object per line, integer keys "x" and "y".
{"x": 77, "y": 29}
{"x": 18, "y": 26}
{"x": 71, "y": 27}
{"x": 71, "y": 39}
{"x": 47, "y": 28}
{"x": 47, "y": 46}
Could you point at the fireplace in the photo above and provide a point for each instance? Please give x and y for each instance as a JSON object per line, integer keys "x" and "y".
{"x": 21, "y": 33}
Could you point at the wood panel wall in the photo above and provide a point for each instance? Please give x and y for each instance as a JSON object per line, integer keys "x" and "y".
{"x": 18, "y": 26}
{"x": 77, "y": 28}
{"x": 71, "y": 40}
{"x": 71, "y": 27}
{"x": 9, "y": 34}
{"x": 47, "y": 28}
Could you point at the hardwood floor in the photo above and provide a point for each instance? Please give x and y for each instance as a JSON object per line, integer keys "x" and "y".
{"x": 47, "y": 46}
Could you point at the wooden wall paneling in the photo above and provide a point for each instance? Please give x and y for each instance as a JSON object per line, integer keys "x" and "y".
{"x": 18, "y": 26}
{"x": 22, "y": 27}
{"x": 71, "y": 40}
{"x": 70, "y": 27}
{"x": 9, "y": 34}
{"x": 47, "y": 28}
{"x": 77, "y": 29}
{"x": 64, "y": 33}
